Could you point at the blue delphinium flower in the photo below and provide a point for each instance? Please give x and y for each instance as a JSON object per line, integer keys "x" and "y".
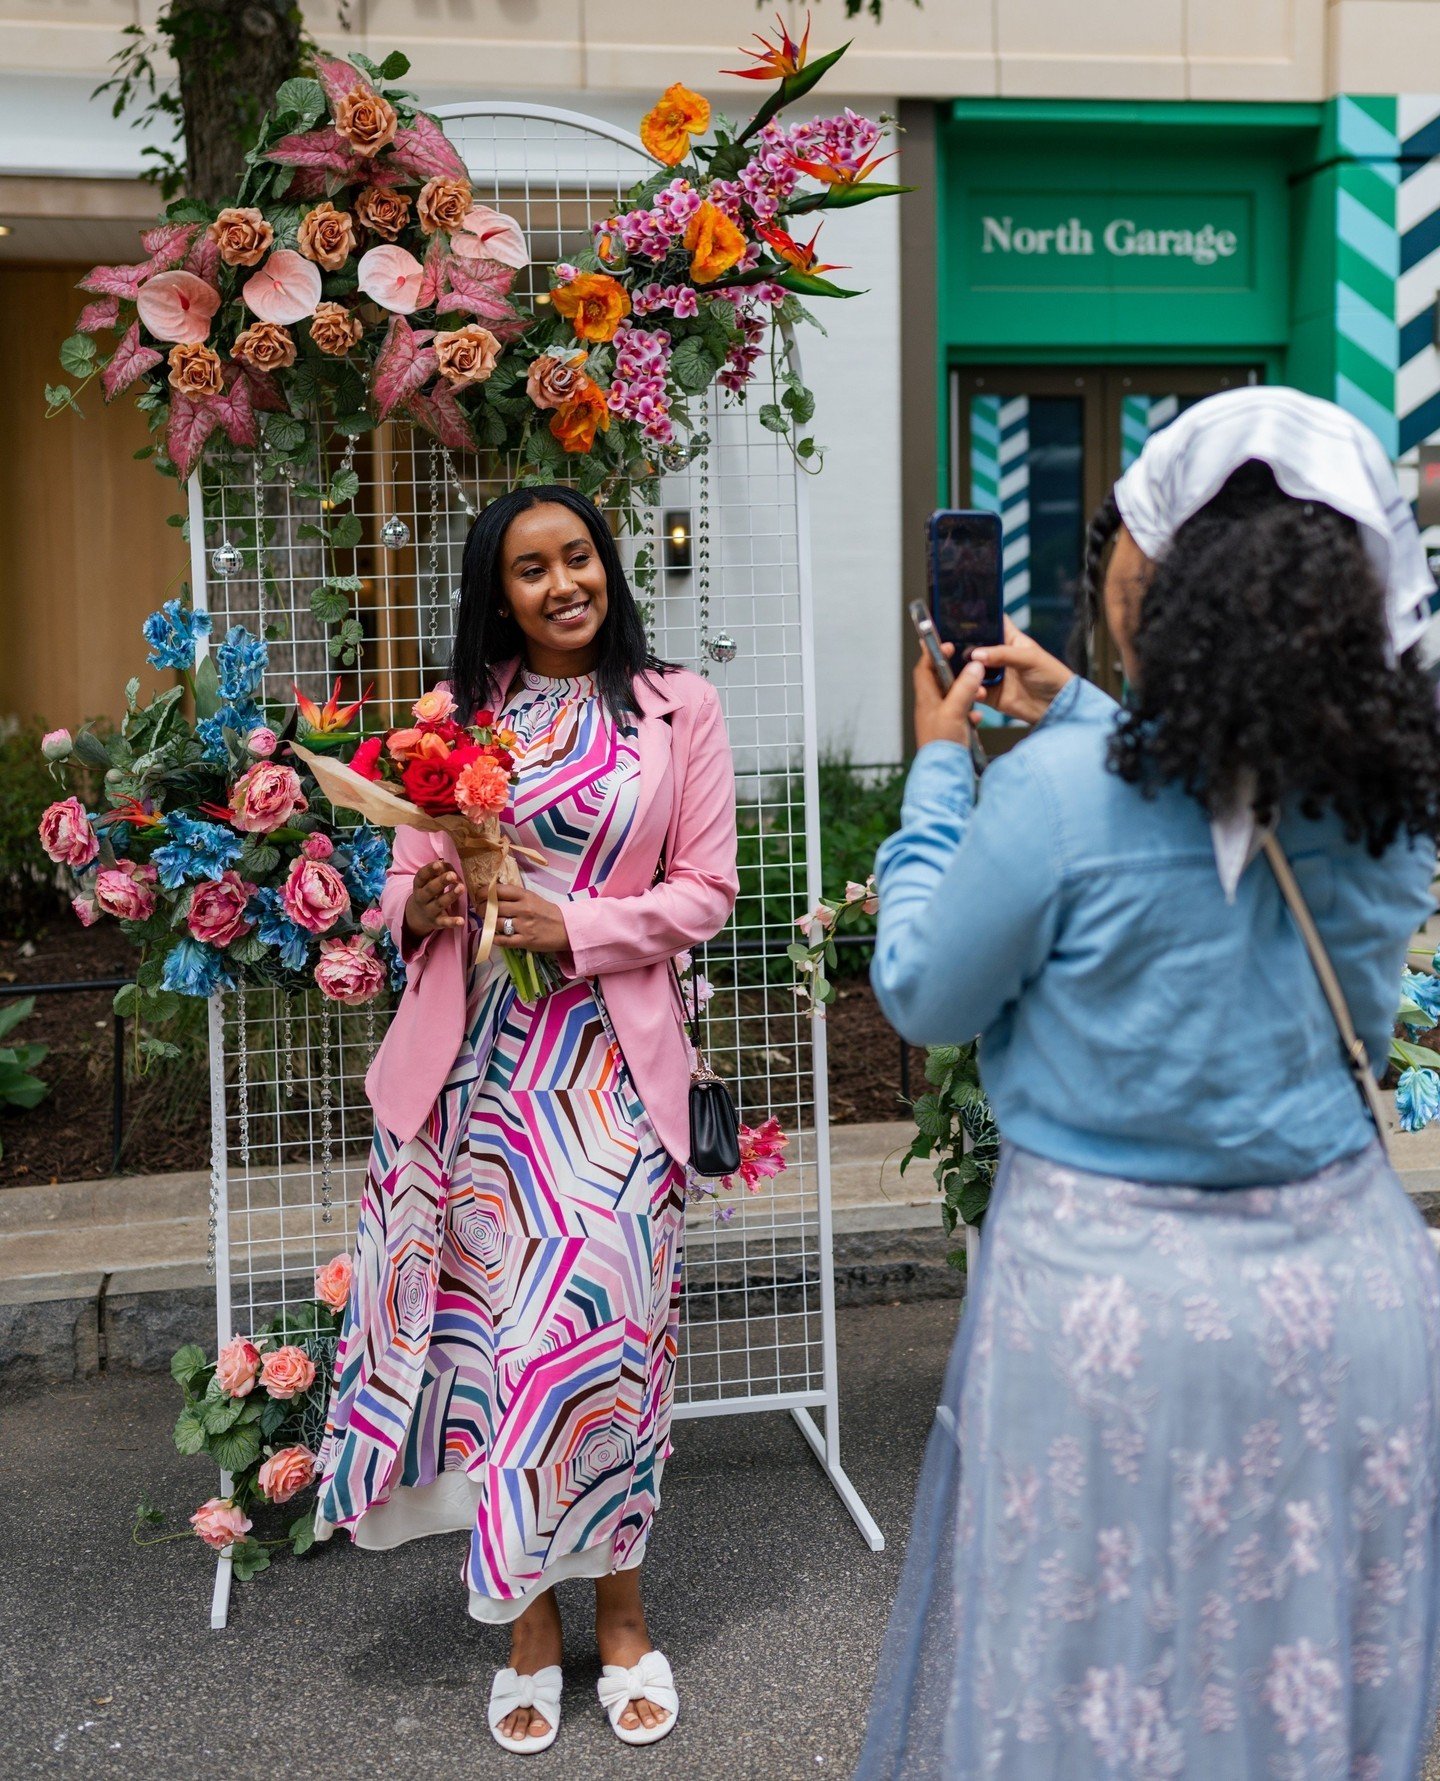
{"x": 369, "y": 853}
{"x": 1424, "y": 989}
{"x": 390, "y": 952}
{"x": 240, "y": 665}
{"x": 240, "y": 718}
{"x": 275, "y": 928}
{"x": 194, "y": 851}
{"x": 1417, "y": 1099}
{"x": 171, "y": 634}
{"x": 194, "y": 969}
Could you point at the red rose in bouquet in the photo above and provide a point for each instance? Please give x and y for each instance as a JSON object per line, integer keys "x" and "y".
{"x": 429, "y": 779}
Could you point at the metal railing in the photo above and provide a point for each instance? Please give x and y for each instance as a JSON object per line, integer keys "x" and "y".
{"x": 117, "y": 1067}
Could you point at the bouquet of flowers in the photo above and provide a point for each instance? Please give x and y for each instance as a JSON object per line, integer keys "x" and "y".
{"x": 210, "y": 852}
{"x": 440, "y": 774}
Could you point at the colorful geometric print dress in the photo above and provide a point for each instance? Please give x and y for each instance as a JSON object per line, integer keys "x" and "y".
{"x": 508, "y": 1353}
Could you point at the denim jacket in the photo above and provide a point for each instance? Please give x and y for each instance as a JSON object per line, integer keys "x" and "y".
{"x": 1132, "y": 1022}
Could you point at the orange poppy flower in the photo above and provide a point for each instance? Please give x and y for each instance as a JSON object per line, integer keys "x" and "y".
{"x": 714, "y": 243}
{"x": 594, "y": 303}
{"x": 576, "y": 423}
{"x": 666, "y": 129}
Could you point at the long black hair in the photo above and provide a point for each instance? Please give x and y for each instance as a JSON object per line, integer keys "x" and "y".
{"x": 485, "y": 637}
{"x": 1261, "y": 647}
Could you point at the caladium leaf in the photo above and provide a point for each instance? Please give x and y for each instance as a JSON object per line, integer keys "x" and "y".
{"x": 115, "y": 281}
{"x": 167, "y": 245}
{"x": 311, "y": 182}
{"x": 439, "y": 412}
{"x": 95, "y": 316}
{"x": 264, "y": 392}
{"x": 236, "y": 410}
{"x": 129, "y": 361}
{"x": 323, "y": 148}
{"x": 402, "y": 366}
{"x": 433, "y": 281}
{"x": 203, "y": 258}
{"x": 481, "y": 288}
{"x": 339, "y": 77}
{"x": 423, "y": 148}
{"x": 191, "y": 424}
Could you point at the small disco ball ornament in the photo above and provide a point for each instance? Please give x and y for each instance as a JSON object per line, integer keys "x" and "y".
{"x": 394, "y": 534}
{"x": 227, "y": 559}
{"x": 723, "y": 648}
{"x": 674, "y": 458}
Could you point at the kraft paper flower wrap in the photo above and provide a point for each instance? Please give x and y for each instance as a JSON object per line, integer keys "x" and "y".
{"x": 488, "y": 856}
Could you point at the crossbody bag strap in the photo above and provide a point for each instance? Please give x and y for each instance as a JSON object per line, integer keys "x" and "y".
{"x": 1356, "y": 1057}
{"x": 689, "y": 1015}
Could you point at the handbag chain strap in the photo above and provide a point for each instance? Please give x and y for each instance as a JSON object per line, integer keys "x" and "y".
{"x": 690, "y": 1016}
{"x": 1356, "y": 1056}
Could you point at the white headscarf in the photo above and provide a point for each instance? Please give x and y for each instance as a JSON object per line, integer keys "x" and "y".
{"x": 1318, "y": 452}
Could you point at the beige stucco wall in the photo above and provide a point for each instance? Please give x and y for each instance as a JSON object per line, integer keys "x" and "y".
{"x": 1119, "y": 49}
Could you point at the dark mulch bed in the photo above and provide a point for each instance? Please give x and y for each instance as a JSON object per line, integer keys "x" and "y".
{"x": 864, "y": 1054}
{"x": 68, "y": 1136}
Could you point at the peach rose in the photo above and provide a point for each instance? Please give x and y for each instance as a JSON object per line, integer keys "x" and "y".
{"x": 335, "y": 330}
{"x": 714, "y": 243}
{"x": 332, "y": 1282}
{"x": 349, "y": 971}
{"x": 382, "y": 210}
{"x": 554, "y": 377}
{"x": 264, "y": 346}
{"x": 676, "y": 116}
{"x": 265, "y": 797}
{"x": 367, "y": 121}
{"x": 243, "y": 236}
{"x": 435, "y": 706}
{"x": 220, "y": 1524}
{"x": 286, "y": 1473}
{"x": 126, "y": 890}
{"x": 287, "y": 1371}
{"x": 444, "y": 204}
{"x": 314, "y": 895}
{"x": 66, "y": 834}
{"x": 195, "y": 370}
{"x": 576, "y": 423}
{"x": 483, "y": 788}
{"x": 237, "y": 1367}
{"x": 466, "y": 355}
{"x": 595, "y": 304}
{"x": 327, "y": 236}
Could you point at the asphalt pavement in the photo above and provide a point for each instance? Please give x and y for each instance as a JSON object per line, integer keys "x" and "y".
{"x": 350, "y": 1664}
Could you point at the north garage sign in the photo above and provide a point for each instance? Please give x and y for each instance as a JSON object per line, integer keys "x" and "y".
{"x": 1112, "y": 241}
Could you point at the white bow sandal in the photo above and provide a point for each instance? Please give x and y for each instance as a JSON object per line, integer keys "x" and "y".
{"x": 510, "y": 1691}
{"x": 649, "y": 1680}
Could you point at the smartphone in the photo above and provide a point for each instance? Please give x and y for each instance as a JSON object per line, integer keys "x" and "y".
{"x": 925, "y": 631}
{"x": 966, "y": 599}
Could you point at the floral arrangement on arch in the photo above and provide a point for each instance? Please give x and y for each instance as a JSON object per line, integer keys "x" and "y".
{"x": 355, "y": 278}
{"x": 216, "y": 855}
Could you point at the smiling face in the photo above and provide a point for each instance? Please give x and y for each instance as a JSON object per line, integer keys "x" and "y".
{"x": 553, "y": 584}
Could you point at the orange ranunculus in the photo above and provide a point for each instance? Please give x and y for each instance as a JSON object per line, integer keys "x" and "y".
{"x": 677, "y": 115}
{"x": 594, "y": 303}
{"x": 714, "y": 243}
{"x": 575, "y": 423}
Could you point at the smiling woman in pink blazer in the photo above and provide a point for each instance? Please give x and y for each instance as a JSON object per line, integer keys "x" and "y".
{"x": 507, "y": 1358}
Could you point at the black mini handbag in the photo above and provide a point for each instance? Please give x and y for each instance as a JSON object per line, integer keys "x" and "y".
{"x": 714, "y": 1126}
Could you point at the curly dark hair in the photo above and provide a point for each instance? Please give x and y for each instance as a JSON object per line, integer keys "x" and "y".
{"x": 1261, "y": 645}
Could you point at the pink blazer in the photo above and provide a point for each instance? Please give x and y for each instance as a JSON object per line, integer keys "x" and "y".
{"x": 624, "y": 937}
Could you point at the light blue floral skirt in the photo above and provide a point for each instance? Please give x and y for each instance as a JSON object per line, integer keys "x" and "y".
{"x": 1179, "y": 1512}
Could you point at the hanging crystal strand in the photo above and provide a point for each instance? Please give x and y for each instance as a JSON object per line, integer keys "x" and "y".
{"x": 326, "y": 1110}
{"x": 432, "y": 626}
{"x": 259, "y": 488}
{"x": 372, "y": 1039}
{"x": 453, "y": 477}
{"x": 649, "y": 581}
{"x": 242, "y": 1064}
{"x": 702, "y": 559}
{"x": 287, "y": 1043}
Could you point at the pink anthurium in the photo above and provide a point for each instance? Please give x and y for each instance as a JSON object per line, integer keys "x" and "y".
{"x": 286, "y": 289}
{"x": 487, "y": 235}
{"x": 392, "y": 278}
{"x": 177, "y": 306}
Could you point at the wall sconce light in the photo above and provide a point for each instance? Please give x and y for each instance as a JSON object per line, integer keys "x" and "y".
{"x": 678, "y": 540}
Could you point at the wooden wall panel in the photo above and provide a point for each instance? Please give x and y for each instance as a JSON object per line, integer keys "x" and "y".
{"x": 85, "y": 552}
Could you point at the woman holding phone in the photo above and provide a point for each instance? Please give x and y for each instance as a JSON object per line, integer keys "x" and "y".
{"x": 1179, "y": 1510}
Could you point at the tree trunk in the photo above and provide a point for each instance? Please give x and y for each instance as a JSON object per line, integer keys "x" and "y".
{"x": 232, "y": 56}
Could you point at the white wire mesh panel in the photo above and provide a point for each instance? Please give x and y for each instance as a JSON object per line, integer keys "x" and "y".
{"x": 293, "y": 1123}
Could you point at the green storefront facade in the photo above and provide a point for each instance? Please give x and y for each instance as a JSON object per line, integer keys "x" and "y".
{"x": 1096, "y": 267}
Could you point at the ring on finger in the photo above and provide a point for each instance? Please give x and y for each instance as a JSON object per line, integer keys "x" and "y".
{"x": 507, "y": 928}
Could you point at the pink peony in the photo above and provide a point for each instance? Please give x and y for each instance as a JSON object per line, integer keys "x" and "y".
{"x": 177, "y": 306}
{"x": 217, "y": 910}
{"x": 262, "y": 742}
{"x": 314, "y": 895}
{"x": 349, "y": 971}
{"x": 237, "y": 1367}
{"x": 287, "y": 1371}
{"x": 84, "y": 911}
{"x": 57, "y": 745}
{"x": 285, "y": 1473}
{"x": 127, "y": 890}
{"x": 373, "y": 920}
{"x": 391, "y": 277}
{"x": 265, "y": 797}
{"x": 219, "y": 1523}
{"x": 317, "y": 847}
{"x": 66, "y": 835}
{"x": 487, "y": 235}
{"x": 286, "y": 289}
{"x": 332, "y": 1282}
